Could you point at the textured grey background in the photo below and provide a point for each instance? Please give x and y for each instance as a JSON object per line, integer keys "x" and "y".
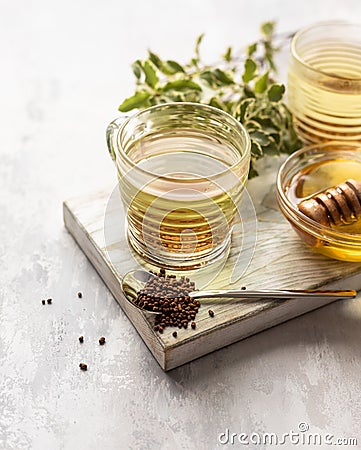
{"x": 64, "y": 69}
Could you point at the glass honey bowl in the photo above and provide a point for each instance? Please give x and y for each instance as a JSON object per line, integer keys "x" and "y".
{"x": 309, "y": 172}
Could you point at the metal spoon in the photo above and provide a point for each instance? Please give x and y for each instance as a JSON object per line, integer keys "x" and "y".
{"x": 135, "y": 280}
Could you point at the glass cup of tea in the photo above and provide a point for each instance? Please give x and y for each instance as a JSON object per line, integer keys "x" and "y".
{"x": 182, "y": 168}
{"x": 324, "y": 82}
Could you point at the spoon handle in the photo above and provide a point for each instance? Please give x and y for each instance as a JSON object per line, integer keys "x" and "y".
{"x": 272, "y": 294}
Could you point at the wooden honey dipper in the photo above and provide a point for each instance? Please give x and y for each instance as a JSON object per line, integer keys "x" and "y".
{"x": 336, "y": 205}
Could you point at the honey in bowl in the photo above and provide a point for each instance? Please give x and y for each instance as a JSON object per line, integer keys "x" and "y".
{"x": 324, "y": 194}
{"x": 319, "y": 193}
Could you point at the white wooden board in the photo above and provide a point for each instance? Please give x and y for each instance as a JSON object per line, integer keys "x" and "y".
{"x": 280, "y": 260}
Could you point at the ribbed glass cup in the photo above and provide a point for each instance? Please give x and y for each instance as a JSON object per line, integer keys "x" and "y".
{"x": 336, "y": 243}
{"x": 182, "y": 168}
{"x": 324, "y": 82}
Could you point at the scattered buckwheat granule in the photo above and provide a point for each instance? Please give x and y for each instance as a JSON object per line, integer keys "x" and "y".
{"x": 168, "y": 295}
{"x": 83, "y": 366}
{"x": 193, "y": 325}
{"x": 211, "y": 313}
{"x": 43, "y": 302}
{"x": 102, "y": 340}
{"x": 175, "y": 334}
{"x": 81, "y": 339}
{"x": 80, "y": 294}
{"x": 49, "y": 300}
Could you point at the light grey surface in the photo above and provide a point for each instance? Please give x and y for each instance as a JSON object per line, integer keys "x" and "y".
{"x": 64, "y": 69}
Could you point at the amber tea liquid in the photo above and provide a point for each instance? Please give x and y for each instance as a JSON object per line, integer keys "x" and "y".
{"x": 187, "y": 219}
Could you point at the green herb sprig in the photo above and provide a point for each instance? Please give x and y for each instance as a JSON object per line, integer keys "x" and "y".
{"x": 242, "y": 86}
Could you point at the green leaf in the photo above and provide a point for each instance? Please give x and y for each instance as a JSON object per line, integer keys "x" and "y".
{"x": 217, "y": 103}
{"x": 209, "y": 77}
{"x": 253, "y": 125}
{"x": 242, "y": 108}
{"x": 155, "y": 59}
{"x": 267, "y": 28}
{"x": 175, "y": 96}
{"x": 267, "y": 124}
{"x": 181, "y": 85}
{"x": 250, "y": 69}
{"x": 290, "y": 141}
{"x": 216, "y": 78}
{"x": 260, "y": 137}
{"x": 256, "y": 149}
{"x": 261, "y": 83}
{"x": 287, "y": 115}
{"x": 276, "y": 137}
{"x": 228, "y": 55}
{"x": 137, "y": 68}
{"x": 192, "y": 96}
{"x": 171, "y": 67}
{"x": 138, "y": 100}
{"x": 269, "y": 55}
{"x": 223, "y": 77}
{"x": 252, "y": 171}
{"x": 275, "y": 92}
{"x": 153, "y": 100}
{"x": 248, "y": 92}
{"x": 151, "y": 77}
{"x": 251, "y": 49}
{"x": 198, "y": 43}
{"x": 272, "y": 149}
